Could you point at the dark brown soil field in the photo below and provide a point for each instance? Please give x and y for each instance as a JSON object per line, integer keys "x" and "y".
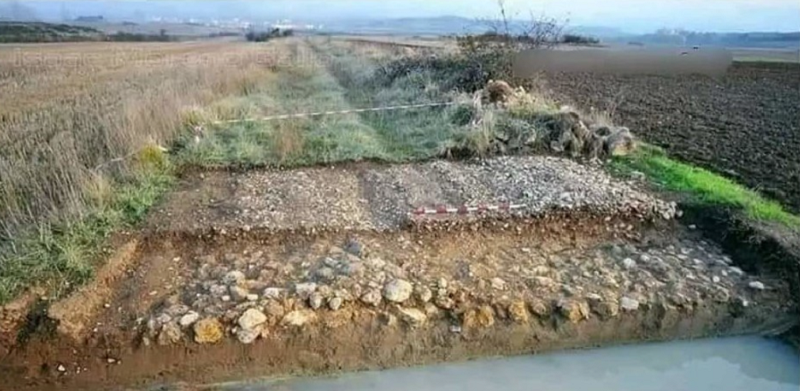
{"x": 745, "y": 125}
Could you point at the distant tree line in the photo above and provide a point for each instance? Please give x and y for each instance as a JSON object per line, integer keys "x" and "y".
{"x": 575, "y": 39}
{"x": 120, "y": 36}
{"x": 264, "y": 36}
{"x": 31, "y": 32}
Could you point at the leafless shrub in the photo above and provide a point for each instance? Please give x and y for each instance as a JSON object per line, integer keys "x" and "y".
{"x": 493, "y": 51}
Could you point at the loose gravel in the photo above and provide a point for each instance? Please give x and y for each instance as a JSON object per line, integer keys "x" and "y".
{"x": 370, "y": 197}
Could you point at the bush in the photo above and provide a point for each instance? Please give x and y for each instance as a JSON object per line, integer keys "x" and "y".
{"x": 264, "y": 36}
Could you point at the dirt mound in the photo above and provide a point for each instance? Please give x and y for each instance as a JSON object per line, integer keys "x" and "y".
{"x": 744, "y": 125}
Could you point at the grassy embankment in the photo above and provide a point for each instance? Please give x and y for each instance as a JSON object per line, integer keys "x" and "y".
{"x": 704, "y": 187}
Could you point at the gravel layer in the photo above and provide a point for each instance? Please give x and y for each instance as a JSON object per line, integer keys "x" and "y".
{"x": 369, "y": 197}
{"x": 250, "y": 290}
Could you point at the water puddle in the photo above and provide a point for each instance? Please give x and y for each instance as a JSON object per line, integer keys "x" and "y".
{"x": 730, "y": 364}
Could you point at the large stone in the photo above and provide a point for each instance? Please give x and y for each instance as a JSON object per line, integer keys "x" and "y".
{"x": 170, "y": 334}
{"x": 177, "y": 310}
{"x": 251, "y": 319}
{"x": 620, "y": 143}
{"x": 628, "y": 304}
{"x": 207, "y": 331}
{"x": 606, "y": 309}
{"x": 543, "y": 282}
{"x": 335, "y": 303}
{"x": 238, "y": 293}
{"x": 498, "y": 284}
{"x": 573, "y": 310}
{"x": 274, "y": 309}
{"x": 273, "y": 293}
{"x": 540, "y": 308}
{"x": 518, "y": 312}
{"x": 371, "y": 297}
{"x": 423, "y": 293}
{"x": 248, "y": 336}
{"x": 316, "y": 300}
{"x": 398, "y": 291}
{"x": 628, "y": 263}
{"x": 482, "y": 317}
{"x": 298, "y": 318}
{"x": 305, "y": 290}
{"x": 413, "y": 316}
{"x": 189, "y": 319}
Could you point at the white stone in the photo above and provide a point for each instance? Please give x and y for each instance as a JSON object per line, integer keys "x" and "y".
{"x": 273, "y": 293}
{"x": 628, "y": 304}
{"x": 189, "y": 319}
{"x": 716, "y": 279}
{"x": 413, "y": 316}
{"x": 248, "y": 336}
{"x": 298, "y": 318}
{"x": 759, "y": 286}
{"x": 498, "y": 284}
{"x": 398, "y": 291}
{"x": 305, "y": 290}
{"x": 423, "y": 293}
{"x": 335, "y": 303}
{"x": 251, "y": 319}
{"x": 628, "y": 263}
{"x": 372, "y": 297}
{"x": 170, "y": 334}
{"x": 736, "y": 270}
{"x": 315, "y": 301}
{"x": 238, "y": 293}
{"x": 544, "y": 282}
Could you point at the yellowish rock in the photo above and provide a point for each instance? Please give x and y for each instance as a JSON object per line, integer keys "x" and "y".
{"x": 208, "y": 331}
{"x": 518, "y": 312}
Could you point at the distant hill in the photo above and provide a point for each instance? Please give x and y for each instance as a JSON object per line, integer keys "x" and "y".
{"x": 36, "y": 32}
{"x": 443, "y": 25}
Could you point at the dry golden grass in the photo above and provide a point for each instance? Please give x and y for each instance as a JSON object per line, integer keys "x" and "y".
{"x": 67, "y": 109}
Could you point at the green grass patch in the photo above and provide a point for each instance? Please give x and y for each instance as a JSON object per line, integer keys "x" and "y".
{"x": 59, "y": 257}
{"x": 703, "y": 186}
{"x": 348, "y": 82}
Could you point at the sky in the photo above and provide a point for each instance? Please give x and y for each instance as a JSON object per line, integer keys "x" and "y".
{"x": 636, "y": 16}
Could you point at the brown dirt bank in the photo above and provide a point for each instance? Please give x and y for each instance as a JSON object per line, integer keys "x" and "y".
{"x": 744, "y": 125}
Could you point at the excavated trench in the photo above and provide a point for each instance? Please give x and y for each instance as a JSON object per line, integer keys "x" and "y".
{"x": 224, "y": 285}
